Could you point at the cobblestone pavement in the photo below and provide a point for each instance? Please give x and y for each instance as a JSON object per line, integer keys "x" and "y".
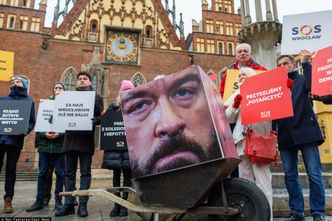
{"x": 98, "y": 207}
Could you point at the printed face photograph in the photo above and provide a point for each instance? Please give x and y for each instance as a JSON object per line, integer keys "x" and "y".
{"x": 168, "y": 123}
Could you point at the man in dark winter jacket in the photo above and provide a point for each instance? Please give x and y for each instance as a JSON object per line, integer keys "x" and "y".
{"x": 301, "y": 133}
{"x": 11, "y": 145}
{"x": 79, "y": 145}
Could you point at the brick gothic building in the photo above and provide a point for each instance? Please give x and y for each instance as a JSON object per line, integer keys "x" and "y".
{"x": 94, "y": 35}
{"x": 215, "y": 35}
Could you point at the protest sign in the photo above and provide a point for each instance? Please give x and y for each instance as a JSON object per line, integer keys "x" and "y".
{"x": 310, "y": 31}
{"x": 14, "y": 117}
{"x": 266, "y": 97}
{"x": 73, "y": 111}
{"x": 6, "y": 65}
{"x": 232, "y": 84}
{"x": 322, "y": 72}
{"x": 45, "y": 116}
{"x": 113, "y": 134}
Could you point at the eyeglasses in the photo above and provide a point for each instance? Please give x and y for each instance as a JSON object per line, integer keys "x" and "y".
{"x": 60, "y": 88}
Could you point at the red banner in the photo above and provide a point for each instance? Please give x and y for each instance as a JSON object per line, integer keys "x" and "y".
{"x": 266, "y": 97}
{"x": 322, "y": 72}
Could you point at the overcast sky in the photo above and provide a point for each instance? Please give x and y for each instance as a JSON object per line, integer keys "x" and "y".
{"x": 191, "y": 9}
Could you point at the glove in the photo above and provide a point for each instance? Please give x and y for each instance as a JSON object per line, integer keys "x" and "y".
{"x": 290, "y": 83}
{"x": 96, "y": 120}
{"x": 237, "y": 101}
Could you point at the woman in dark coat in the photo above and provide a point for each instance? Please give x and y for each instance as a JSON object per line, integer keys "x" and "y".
{"x": 118, "y": 161}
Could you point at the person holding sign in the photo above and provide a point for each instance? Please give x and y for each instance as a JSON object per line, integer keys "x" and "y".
{"x": 50, "y": 145}
{"x": 79, "y": 145}
{"x": 257, "y": 173}
{"x": 11, "y": 145}
{"x": 301, "y": 133}
{"x": 116, "y": 158}
{"x": 243, "y": 56}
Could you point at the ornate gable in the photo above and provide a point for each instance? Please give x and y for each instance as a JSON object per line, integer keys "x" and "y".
{"x": 90, "y": 21}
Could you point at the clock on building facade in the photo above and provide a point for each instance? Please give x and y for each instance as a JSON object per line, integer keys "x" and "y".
{"x": 122, "y": 47}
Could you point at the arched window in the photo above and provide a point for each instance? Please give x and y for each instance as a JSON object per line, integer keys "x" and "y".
{"x": 220, "y": 47}
{"x": 93, "y": 26}
{"x": 230, "y": 49}
{"x": 69, "y": 79}
{"x": 101, "y": 85}
{"x": 97, "y": 80}
{"x": 11, "y": 24}
{"x": 138, "y": 79}
{"x": 148, "y": 31}
{"x": 94, "y": 82}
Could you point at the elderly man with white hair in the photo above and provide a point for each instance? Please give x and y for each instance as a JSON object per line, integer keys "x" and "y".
{"x": 243, "y": 56}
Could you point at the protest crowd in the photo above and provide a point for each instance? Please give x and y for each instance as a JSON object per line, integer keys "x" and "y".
{"x": 60, "y": 151}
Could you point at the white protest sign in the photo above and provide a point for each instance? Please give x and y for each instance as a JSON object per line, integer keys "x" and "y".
{"x": 310, "y": 31}
{"x": 45, "y": 113}
{"x": 73, "y": 111}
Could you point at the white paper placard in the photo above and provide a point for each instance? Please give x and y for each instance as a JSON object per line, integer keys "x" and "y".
{"x": 310, "y": 31}
{"x": 74, "y": 111}
{"x": 44, "y": 115}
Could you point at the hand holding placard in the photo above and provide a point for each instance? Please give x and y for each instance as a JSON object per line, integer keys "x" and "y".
{"x": 305, "y": 56}
{"x": 237, "y": 101}
{"x": 290, "y": 83}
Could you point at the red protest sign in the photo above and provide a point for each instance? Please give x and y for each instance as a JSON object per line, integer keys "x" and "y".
{"x": 322, "y": 72}
{"x": 266, "y": 97}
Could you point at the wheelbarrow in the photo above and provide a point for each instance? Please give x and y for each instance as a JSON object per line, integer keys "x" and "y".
{"x": 158, "y": 198}
{"x": 181, "y": 181}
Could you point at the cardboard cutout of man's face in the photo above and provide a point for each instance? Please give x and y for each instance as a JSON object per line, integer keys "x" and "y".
{"x": 170, "y": 124}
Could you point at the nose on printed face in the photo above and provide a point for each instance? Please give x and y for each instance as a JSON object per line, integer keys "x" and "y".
{"x": 170, "y": 123}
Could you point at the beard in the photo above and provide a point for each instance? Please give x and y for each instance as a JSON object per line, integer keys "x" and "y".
{"x": 181, "y": 152}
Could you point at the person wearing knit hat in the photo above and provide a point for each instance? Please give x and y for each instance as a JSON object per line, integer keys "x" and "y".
{"x": 19, "y": 81}
{"x": 126, "y": 85}
{"x": 11, "y": 145}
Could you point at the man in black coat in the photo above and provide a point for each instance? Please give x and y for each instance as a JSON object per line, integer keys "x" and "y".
{"x": 301, "y": 132}
{"x": 79, "y": 145}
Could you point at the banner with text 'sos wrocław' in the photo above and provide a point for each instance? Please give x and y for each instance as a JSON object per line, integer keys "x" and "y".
{"x": 309, "y": 31}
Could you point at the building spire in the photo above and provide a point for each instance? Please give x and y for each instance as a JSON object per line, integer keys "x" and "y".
{"x": 56, "y": 14}
{"x": 181, "y": 27}
{"x": 176, "y": 27}
{"x": 174, "y": 15}
{"x": 167, "y": 7}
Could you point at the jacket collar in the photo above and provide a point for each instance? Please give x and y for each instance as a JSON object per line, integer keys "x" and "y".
{"x": 18, "y": 92}
{"x": 293, "y": 75}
